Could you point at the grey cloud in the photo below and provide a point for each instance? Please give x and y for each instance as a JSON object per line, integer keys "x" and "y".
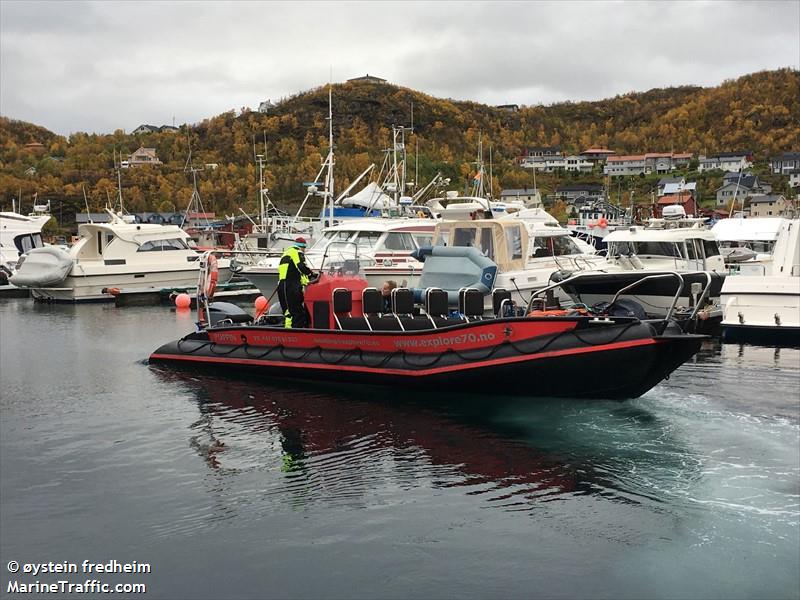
{"x": 115, "y": 64}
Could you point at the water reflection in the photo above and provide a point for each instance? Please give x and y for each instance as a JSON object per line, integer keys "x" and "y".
{"x": 359, "y": 448}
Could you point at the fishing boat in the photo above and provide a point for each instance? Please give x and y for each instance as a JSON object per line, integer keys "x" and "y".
{"x": 109, "y": 257}
{"x": 765, "y": 308}
{"x": 352, "y": 340}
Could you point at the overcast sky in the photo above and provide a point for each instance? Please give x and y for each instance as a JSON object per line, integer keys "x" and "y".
{"x": 100, "y": 66}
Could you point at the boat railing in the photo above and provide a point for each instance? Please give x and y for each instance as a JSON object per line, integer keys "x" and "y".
{"x": 342, "y": 257}
{"x": 627, "y": 288}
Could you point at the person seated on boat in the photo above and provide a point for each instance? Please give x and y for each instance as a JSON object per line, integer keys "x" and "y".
{"x": 293, "y": 276}
{"x": 386, "y": 292}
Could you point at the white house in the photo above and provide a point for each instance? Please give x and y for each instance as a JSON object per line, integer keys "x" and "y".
{"x": 727, "y": 161}
{"x": 531, "y": 197}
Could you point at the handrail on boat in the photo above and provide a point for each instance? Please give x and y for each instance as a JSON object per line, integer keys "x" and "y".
{"x": 678, "y": 293}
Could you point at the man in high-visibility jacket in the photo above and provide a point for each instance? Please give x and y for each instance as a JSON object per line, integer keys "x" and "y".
{"x": 293, "y": 274}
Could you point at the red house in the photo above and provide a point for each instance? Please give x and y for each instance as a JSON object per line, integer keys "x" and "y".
{"x": 683, "y": 199}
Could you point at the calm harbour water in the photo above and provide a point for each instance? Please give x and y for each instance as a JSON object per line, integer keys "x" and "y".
{"x": 244, "y": 489}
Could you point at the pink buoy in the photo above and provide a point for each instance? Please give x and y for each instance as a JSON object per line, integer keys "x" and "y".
{"x": 262, "y": 304}
{"x": 183, "y": 300}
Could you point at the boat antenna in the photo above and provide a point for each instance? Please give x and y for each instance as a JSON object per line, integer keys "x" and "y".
{"x": 118, "y": 168}
{"x": 86, "y": 202}
{"x": 330, "y": 161}
{"x": 491, "y": 189}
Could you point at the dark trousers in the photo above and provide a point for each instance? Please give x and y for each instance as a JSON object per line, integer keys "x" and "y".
{"x": 290, "y": 295}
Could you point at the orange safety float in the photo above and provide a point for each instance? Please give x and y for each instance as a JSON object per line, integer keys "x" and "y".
{"x": 211, "y": 276}
{"x": 602, "y": 223}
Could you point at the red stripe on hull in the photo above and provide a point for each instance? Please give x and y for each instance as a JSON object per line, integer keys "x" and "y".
{"x": 433, "y": 341}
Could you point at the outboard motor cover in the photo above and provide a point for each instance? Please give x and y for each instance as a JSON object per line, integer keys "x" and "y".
{"x": 219, "y": 311}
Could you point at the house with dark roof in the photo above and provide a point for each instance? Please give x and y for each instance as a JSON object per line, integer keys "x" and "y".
{"x": 586, "y": 191}
{"x": 788, "y": 161}
{"x": 508, "y": 107}
{"x": 144, "y": 128}
{"x": 366, "y": 79}
{"x": 740, "y": 188}
{"x": 768, "y": 205}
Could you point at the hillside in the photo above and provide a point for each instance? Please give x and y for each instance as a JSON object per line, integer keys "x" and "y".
{"x": 758, "y": 112}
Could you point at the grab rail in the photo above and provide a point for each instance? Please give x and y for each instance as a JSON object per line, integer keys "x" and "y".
{"x": 671, "y": 309}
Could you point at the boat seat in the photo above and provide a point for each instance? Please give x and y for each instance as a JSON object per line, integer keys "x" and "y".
{"x": 402, "y": 305}
{"x": 436, "y": 305}
{"x": 371, "y": 303}
{"x": 501, "y": 302}
{"x": 470, "y": 303}
{"x": 342, "y": 303}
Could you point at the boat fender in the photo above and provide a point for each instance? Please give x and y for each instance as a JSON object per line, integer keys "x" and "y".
{"x": 210, "y": 284}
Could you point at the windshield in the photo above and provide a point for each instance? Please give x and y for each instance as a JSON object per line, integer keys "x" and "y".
{"x": 644, "y": 248}
{"x": 328, "y": 237}
{"x": 562, "y": 245}
{"x": 481, "y": 238}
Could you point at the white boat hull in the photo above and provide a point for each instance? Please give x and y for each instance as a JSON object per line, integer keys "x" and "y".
{"x": 93, "y": 287}
{"x": 761, "y": 302}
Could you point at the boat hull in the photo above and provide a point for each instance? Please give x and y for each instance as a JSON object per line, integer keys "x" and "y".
{"x": 93, "y": 287}
{"x": 516, "y": 357}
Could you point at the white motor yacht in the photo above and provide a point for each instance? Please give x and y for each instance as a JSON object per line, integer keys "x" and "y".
{"x": 527, "y": 247}
{"x": 675, "y": 243}
{"x": 19, "y": 234}
{"x": 765, "y": 308}
{"x": 119, "y": 255}
{"x": 379, "y": 248}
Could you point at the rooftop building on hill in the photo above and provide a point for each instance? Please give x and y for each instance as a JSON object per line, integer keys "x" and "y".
{"x": 366, "y": 79}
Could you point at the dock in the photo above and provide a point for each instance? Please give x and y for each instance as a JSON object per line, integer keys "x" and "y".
{"x": 227, "y": 292}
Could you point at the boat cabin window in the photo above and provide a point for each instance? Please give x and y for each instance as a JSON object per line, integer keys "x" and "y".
{"x": 423, "y": 240}
{"x": 514, "y": 242}
{"x": 711, "y": 248}
{"x": 561, "y": 245}
{"x": 691, "y": 250}
{"x": 331, "y": 236}
{"x": 463, "y": 237}
{"x": 481, "y": 238}
{"x": 367, "y": 239}
{"x": 644, "y": 248}
{"x": 162, "y": 245}
{"x": 401, "y": 242}
{"x": 27, "y": 242}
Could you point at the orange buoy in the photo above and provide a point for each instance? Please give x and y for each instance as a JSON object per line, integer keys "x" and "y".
{"x": 262, "y": 305}
{"x": 602, "y": 223}
{"x": 183, "y": 301}
{"x": 114, "y": 291}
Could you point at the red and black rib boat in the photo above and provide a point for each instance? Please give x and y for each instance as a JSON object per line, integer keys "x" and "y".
{"x": 350, "y": 342}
